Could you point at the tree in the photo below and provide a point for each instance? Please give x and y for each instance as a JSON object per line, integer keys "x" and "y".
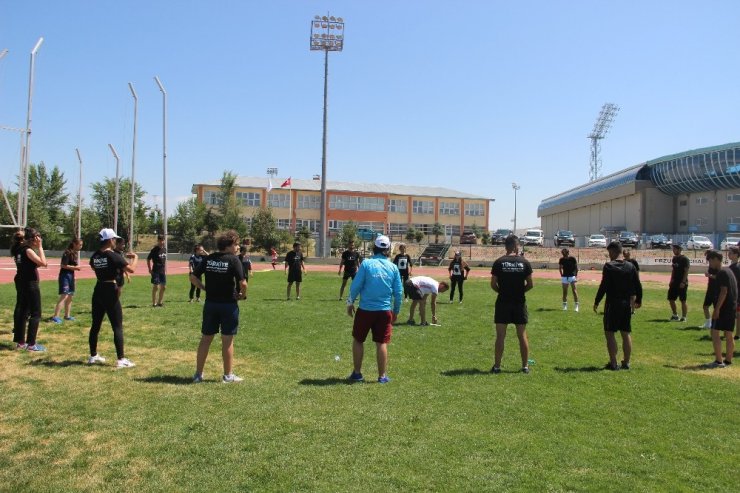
{"x": 7, "y": 233}
{"x": 485, "y": 237}
{"x": 187, "y": 224}
{"x": 437, "y": 229}
{"x": 47, "y": 201}
{"x": 229, "y": 209}
{"x": 348, "y": 234}
{"x": 103, "y": 203}
{"x": 418, "y": 236}
{"x": 264, "y": 229}
{"x": 304, "y": 234}
{"x": 411, "y": 234}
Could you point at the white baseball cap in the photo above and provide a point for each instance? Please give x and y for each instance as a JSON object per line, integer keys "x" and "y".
{"x": 107, "y": 234}
{"x": 382, "y": 241}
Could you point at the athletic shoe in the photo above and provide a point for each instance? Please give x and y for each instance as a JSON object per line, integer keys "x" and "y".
{"x": 727, "y": 363}
{"x": 384, "y": 379}
{"x": 674, "y": 318}
{"x": 124, "y": 363}
{"x": 707, "y": 325}
{"x": 495, "y": 370}
{"x": 95, "y": 359}
{"x": 21, "y": 346}
{"x": 197, "y": 300}
{"x": 298, "y": 298}
{"x": 56, "y": 320}
{"x": 198, "y": 378}
{"x": 625, "y": 365}
{"x": 612, "y": 367}
{"x": 424, "y": 324}
{"x": 715, "y": 364}
{"x": 410, "y": 322}
{"x": 230, "y": 378}
{"x": 682, "y": 319}
{"x": 577, "y": 307}
{"x": 37, "y": 348}
{"x": 160, "y": 305}
{"x": 525, "y": 370}
{"x": 154, "y": 305}
{"x": 191, "y": 300}
{"x": 565, "y": 307}
{"x": 71, "y": 319}
{"x": 460, "y": 302}
{"x": 356, "y": 377}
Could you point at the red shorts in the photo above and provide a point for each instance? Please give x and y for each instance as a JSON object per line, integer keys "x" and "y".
{"x": 380, "y": 322}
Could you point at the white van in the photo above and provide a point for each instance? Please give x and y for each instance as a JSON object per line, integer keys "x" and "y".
{"x": 533, "y": 237}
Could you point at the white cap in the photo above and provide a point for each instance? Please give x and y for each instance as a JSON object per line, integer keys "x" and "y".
{"x": 107, "y": 234}
{"x": 382, "y": 241}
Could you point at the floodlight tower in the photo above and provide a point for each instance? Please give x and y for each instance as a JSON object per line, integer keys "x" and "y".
{"x": 601, "y": 128}
{"x": 327, "y": 34}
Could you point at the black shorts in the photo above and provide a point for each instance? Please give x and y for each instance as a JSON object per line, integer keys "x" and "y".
{"x": 675, "y": 292}
{"x": 508, "y": 312}
{"x": 412, "y": 291}
{"x": 349, "y": 273}
{"x": 618, "y": 316}
{"x": 159, "y": 278}
{"x": 725, "y": 322}
{"x": 220, "y": 316}
{"x": 295, "y": 276}
{"x": 709, "y": 298}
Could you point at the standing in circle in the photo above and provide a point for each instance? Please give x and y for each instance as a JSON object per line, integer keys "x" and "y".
{"x": 107, "y": 264}
{"x": 458, "y": 271}
{"x": 511, "y": 278}
{"x": 295, "y": 268}
{"x": 733, "y": 254}
{"x": 627, "y": 254}
{"x": 568, "y": 276}
{"x": 710, "y": 296}
{"x": 679, "y": 283}
{"x": 404, "y": 264}
{"x": 156, "y": 263}
{"x": 69, "y": 265}
{"x": 725, "y": 310}
{"x": 350, "y": 262}
{"x": 196, "y": 258}
{"x": 246, "y": 261}
{"x": 274, "y": 257}
{"x": 28, "y": 254}
{"x": 224, "y": 285}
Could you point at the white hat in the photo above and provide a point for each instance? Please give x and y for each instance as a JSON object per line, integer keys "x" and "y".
{"x": 107, "y": 234}
{"x": 382, "y": 241}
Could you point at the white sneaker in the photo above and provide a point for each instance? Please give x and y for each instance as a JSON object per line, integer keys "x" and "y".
{"x": 124, "y": 363}
{"x": 565, "y": 307}
{"x": 576, "y": 308}
{"x": 707, "y": 325}
{"x": 95, "y": 359}
{"x": 231, "y": 378}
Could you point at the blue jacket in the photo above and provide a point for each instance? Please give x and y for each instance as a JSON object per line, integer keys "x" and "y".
{"x": 376, "y": 282}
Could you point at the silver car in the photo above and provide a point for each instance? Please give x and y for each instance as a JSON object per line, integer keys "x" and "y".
{"x": 597, "y": 240}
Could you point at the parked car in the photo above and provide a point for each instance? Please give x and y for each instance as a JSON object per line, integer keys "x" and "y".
{"x": 563, "y": 237}
{"x": 728, "y": 242}
{"x": 533, "y": 237}
{"x": 696, "y": 242}
{"x": 628, "y": 238}
{"x": 499, "y": 236}
{"x": 660, "y": 241}
{"x": 597, "y": 240}
{"x": 468, "y": 239}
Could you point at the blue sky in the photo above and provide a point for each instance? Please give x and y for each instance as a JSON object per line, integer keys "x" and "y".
{"x": 471, "y": 95}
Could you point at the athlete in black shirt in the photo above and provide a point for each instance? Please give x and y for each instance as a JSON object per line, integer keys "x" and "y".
{"x": 458, "y": 271}
{"x": 351, "y": 262}
{"x": 295, "y": 268}
{"x": 621, "y": 285}
{"x": 725, "y": 310}
{"x": 568, "y": 271}
{"x": 733, "y": 254}
{"x": 28, "y": 295}
{"x": 156, "y": 263}
{"x": 679, "y": 283}
{"x": 404, "y": 264}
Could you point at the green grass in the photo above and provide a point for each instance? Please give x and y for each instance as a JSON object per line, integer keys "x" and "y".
{"x": 443, "y": 423}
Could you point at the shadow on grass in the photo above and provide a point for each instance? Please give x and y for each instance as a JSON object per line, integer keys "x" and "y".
{"x": 660, "y": 320}
{"x": 585, "y": 369}
{"x": 547, "y": 310}
{"x": 691, "y": 327}
{"x": 7, "y": 347}
{"x": 323, "y": 382}
{"x": 6, "y": 332}
{"x": 166, "y": 379}
{"x": 699, "y": 367}
{"x": 57, "y": 364}
{"x": 462, "y": 372}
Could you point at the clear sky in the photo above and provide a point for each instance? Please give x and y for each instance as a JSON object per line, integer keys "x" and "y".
{"x": 471, "y": 95}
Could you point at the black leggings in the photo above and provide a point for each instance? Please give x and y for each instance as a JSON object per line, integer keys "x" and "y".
{"x": 105, "y": 301}
{"x": 27, "y": 309}
{"x": 456, "y": 281}
{"x": 195, "y": 290}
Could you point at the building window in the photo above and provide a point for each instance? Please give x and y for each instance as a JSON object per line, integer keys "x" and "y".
{"x": 474, "y": 209}
{"x": 278, "y": 200}
{"x": 309, "y": 201}
{"x": 283, "y": 224}
{"x": 733, "y": 197}
{"x": 211, "y": 197}
{"x": 701, "y": 200}
{"x": 398, "y": 228}
{"x": 733, "y": 219}
{"x": 449, "y": 208}
{"x": 423, "y": 207}
{"x": 313, "y": 225}
{"x": 250, "y": 199}
{"x": 397, "y": 205}
{"x": 701, "y": 221}
{"x": 683, "y": 203}
{"x": 424, "y": 228}
{"x": 356, "y": 203}
{"x": 682, "y": 222}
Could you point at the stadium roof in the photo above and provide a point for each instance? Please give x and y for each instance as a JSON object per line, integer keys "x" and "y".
{"x": 340, "y": 186}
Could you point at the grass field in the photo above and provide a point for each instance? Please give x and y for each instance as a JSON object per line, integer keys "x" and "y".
{"x": 443, "y": 424}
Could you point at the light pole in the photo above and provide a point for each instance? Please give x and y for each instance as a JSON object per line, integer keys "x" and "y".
{"x": 117, "y": 188}
{"x": 79, "y": 197}
{"x": 27, "y": 146}
{"x": 515, "y": 187}
{"x": 164, "y": 161}
{"x": 327, "y": 34}
{"x": 273, "y": 173}
{"x": 133, "y": 169}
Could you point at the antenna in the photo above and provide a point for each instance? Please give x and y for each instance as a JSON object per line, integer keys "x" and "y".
{"x": 601, "y": 128}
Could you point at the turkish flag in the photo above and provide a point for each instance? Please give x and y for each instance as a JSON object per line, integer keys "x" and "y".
{"x": 286, "y": 183}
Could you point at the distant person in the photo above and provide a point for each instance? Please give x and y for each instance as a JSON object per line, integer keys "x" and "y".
{"x": 70, "y": 263}
{"x": 511, "y": 278}
{"x": 458, "y": 271}
{"x": 156, "y": 263}
{"x": 404, "y": 263}
{"x": 377, "y": 282}
{"x": 350, "y": 262}
{"x": 122, "y": 277}
{"x": 224, "y": 286}
{"x": 710, "y": 295}
{"x": 106, "y": 299}
{"x": 28, "y": 254}
{"x": 199, "y": 253}
{"x": 725, "y": 311}
{"x": 568, "y": 277}
{"x": 679, "y": 283}
{"x": 627, "y": 254}
{"x": 621, "y": 285}
{"x": 419, "y": 288}
{"x": 274, "y": 257}
{"x": 295, "y": 268}
{"x": 246, "y": 261}
{"x": 734, "y": 255}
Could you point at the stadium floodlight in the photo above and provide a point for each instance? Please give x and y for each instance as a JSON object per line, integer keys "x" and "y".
{"x": 3, "y": 53}
{"x": 515, "y": 187}
{"x": 23, "y": 211}
{"x": 117, "y": 188}
{"x": 164, "y": 162}
{"x": 133, "y": 171}
{"x": 601, "y": 128}
{"x": 327, "y": 34}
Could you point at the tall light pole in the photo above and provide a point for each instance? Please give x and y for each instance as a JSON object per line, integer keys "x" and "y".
{"x": 117, "y": 188}
{"x": 79, "y": 197}
{"x": 27, "y": 146}
{"x": 601, "y": 128}
{"x": 164, "y": 161}
{"x": 515, "y": 187}
{"x": 133, "y": 170}
{"x": 273, "y": 173}
{"x": 327, "y": 34}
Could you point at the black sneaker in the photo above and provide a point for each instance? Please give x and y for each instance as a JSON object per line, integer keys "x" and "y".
{"x": 612, "y": 367}
{"x": 727, "y": 363}
{"x": 625, "y": 365}
{"x": 525, "y": 370}
{"x": 410, "y": 322}
{"x": 495, "y": 370}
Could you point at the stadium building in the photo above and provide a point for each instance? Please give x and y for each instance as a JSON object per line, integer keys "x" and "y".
{"x": 696, "y": 191}
{"x": 391, "y": 209}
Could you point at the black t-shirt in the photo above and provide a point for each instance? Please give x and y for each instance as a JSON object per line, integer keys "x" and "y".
{"x": 246, "y": 265}
{"x": 635, "y": 264}
{"x": 69, "y": 259}
{"x": 294, "y": 261}
{"x": 457, "y": 268}
{"x": 350, "y": 259}
{"x": 108, "y": 265}
{"x": 223, "y": 273}
{"x": 195, "y": 261}
{"x": 680, "y": 266}
{"x": 158, "y": 257}
{"x": 570, "y": 266}
{"x": 511, "y": 272}
{"x": 725, "y": 278}
{"x": 712, "y": 288}
{"x": 26, "y": 269}
{"x": 619, "y": 282}
{"x": 403, "y": 261}
{"x": 735, "y": 268}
